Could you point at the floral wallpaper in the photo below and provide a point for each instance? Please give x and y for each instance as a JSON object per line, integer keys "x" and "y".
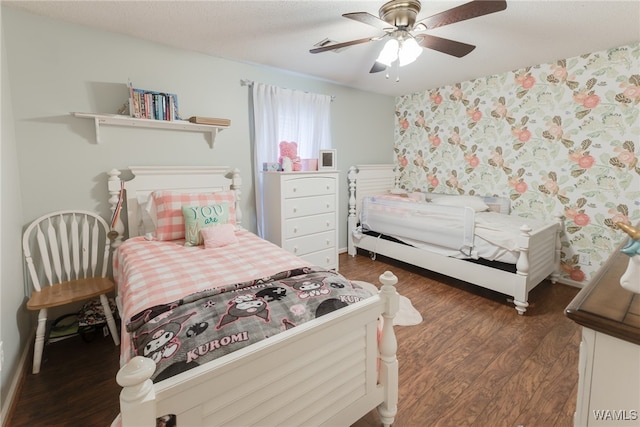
{"x": 557, "y": 139}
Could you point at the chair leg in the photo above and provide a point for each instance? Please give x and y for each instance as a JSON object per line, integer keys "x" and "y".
{"x": 38, "y": 347}
{"x": 110, "y": 320}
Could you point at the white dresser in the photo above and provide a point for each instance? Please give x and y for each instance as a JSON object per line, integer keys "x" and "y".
{"x": 301, "y": 214}
{"x": 609, "y": 365}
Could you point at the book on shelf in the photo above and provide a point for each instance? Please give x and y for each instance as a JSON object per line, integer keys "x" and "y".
{"x": 209, "y": 121}
{"x": 152, "y": 105}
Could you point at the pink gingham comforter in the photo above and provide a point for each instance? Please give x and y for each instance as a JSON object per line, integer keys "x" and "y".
{"x": 149, "y": 273}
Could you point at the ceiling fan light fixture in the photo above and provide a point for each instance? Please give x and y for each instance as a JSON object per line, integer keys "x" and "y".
{"x": 410, "y": 50}
{"x": 389, "y": 52}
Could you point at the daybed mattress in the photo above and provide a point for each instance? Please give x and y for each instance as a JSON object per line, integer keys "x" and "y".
{"x": 454, "y": 231}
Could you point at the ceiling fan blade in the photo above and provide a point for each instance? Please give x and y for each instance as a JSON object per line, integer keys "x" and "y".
{"x": 341, "y": 45}
{"x": 377, "y": 67}
{"x": 463, "y": 12}
{"x": 369, "y": 19}
{"x": 450, "y": 47}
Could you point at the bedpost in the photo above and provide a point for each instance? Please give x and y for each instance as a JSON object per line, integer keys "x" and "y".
{"x": 236, "y": 183}
{"x": 388, "y": 348}
{"x": 522, "y": 268}
{"x": 137, "y": 406}
{"x": 117, "y": 228}
{"x": 351, "y": 220}
{"x": 556, "y": 273}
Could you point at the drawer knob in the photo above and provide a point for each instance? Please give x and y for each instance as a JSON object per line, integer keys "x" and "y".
{"x": 328, "y": 242}
{"x": 328, "y": 224}
{"x": 295, "y": 189}
{"x": 295, "y": 210}
{"x": 295, "y": 229}
{"x": 328, "y": 187}
{"x": 328, "y": 205}
{"x": 295, "y": 249}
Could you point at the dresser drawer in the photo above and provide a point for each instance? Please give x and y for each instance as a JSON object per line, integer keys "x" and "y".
{"x": 310, "y": 186}
{"x": 326, "y": 259}
{"x": 311, "y": 243}
{"x": 304, "y": 206}
{"x": 298, "y": 227}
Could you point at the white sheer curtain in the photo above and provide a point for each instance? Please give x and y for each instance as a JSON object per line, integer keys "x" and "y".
{"x": 287, "y": 115}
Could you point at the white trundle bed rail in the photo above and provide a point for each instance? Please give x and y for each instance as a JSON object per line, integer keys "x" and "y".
{"x": 538, "y": 253}
{"x": 282, "y": 380}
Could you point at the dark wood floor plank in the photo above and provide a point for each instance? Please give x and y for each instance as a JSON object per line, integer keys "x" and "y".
{"x": 471, "y": 362}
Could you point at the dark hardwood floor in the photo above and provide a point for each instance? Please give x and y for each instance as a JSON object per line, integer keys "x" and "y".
{"x": 472, "y": 361}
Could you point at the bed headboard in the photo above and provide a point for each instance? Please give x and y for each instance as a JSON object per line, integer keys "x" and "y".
{"x": 369, "y": 180}
{"x": 147, "y": 179}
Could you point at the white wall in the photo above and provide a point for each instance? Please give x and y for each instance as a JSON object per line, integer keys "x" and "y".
{"x": 15, "y": 322}
{"x": 55, "y": 68}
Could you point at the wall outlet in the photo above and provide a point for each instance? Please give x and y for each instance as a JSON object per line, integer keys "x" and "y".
{"x": 584, "y": 259}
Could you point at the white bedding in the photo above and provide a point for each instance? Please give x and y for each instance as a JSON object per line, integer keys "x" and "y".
{"x": 493, "y": 235}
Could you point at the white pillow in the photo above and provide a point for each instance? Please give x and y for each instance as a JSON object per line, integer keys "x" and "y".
{"x": 147, "y": 218}
{"x": 474, "y": 202}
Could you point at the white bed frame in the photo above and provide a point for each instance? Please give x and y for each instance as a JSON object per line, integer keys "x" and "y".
{"x": 277, "y": 381}
{"x": 539, "y": 254}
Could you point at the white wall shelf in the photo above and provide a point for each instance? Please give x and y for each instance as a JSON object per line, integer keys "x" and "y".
{"x": 119, "y": 120}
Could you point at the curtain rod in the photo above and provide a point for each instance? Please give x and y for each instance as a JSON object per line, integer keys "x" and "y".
{"x": 247, "y": 82}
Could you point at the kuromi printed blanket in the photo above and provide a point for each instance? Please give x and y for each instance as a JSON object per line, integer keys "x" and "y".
{"x": 208, "y": 324}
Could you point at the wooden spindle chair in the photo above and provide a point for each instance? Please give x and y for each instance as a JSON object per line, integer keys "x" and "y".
{"x": 70, "y": 265}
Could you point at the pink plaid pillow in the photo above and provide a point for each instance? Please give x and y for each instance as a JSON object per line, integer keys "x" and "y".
{"x": 219, "y": 235}
{"x": 168, "y": 204}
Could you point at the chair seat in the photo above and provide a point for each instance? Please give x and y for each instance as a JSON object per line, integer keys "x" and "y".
{"x": 68, "y": 292}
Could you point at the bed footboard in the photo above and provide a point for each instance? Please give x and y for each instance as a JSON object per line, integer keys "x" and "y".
{"x": 280, "y": 381}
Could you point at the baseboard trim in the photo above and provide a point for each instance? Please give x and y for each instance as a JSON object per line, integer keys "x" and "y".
{"x": 16, "y": 383}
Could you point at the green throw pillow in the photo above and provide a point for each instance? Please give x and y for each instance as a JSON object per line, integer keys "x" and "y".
{"x": 198, "y": 217}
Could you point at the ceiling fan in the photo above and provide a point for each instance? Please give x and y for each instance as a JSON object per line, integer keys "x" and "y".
{"x": 398, "y": 21}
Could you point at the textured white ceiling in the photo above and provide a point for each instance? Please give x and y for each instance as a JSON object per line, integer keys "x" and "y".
{"x": 280, "y": 33}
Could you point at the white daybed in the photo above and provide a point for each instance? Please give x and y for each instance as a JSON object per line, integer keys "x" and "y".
{"x": 537, "y": 256}
{"x": 281, "y": 380}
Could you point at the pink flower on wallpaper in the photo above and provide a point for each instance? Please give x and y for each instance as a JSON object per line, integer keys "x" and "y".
{"x": 419, "y": 160}
{"x": 455, "y": 138}
{"x": 436, "y": 98}
{"x": 434, "y": 140}
{"x": 632, "y": 92}
{"x": 618, "y": 217}
{"x": 578, "y": 217}
{"x": 433, "y": 180}
{"x": 403, "y": 161}
{"x": 523, "y": 135}
{"x": 586, "y": 161}
{"x": 456, "y": 93}
{"x": 474, "y": 114}
{"x": 626, "y": 157}
{"x": 521, "y": 187}
{"x": 591, "y": 101}
{"x": 551, "y": 185}
{"x": 587, "y": 100}
{"x": 404, "y": 123}
{"x": 497, "y": 158}
{"x": 501, "y": 110}
{"x": 420, "y": 120}
{"x": 577, "y": 275}
{"x": 473, "y": 160}
{"x": 575, "y": 156}
{"x": 555, "y": 131}
{"x": 453, "y": 181}
{"x": 582, "y": 219}
{"x": 526, "y": 81}
{"x": 559, "y": 73}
